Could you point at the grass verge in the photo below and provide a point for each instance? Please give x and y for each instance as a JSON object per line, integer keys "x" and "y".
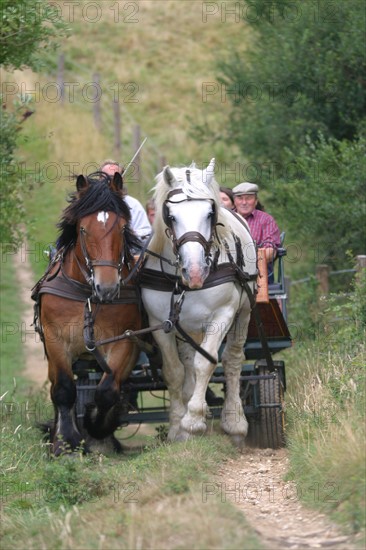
{"x": 150, "y": 500}
{"x": 326, "y": 413}
{"x": 144, "y": 499}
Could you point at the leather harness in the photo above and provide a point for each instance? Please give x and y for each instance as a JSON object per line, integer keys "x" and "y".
{"x": 71, "y": 289}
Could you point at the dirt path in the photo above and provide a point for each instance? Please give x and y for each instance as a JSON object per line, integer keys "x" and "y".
{"x": 253, "y": 482}
{"x": 36, "y": 365}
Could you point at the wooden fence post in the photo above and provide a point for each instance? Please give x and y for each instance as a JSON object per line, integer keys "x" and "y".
{"x": 136, "y": 145}
{"x": 60, "y": 76}
{"x": 96, "y": 104}
{"x": 117, "y": 128}
{"x": 361, "y": 263}
{"x": 162, "y": 162}
{"x": 322, "y": 274}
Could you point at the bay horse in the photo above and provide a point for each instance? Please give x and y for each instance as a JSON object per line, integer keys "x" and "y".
{"x": 87, "y": 293}
{"x": 200, "y": 269}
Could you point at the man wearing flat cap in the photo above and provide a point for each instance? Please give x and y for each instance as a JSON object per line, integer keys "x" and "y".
{"x": 263, "y": 228}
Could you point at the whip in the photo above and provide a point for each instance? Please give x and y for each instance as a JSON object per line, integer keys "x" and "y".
{"x": 134, "y": 156}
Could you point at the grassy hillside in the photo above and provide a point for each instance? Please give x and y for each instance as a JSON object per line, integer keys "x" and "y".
{"x": 158, "y": 59}
{"x": 168, "y": 49}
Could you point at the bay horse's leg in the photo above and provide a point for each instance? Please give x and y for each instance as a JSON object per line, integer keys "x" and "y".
{"x": 102, "y": 417}
{"x": 63, "y": 394}
{"x": 61, "y": 325}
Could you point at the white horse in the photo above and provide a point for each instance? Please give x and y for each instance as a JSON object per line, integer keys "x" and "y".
{"x": 195, "y": 241}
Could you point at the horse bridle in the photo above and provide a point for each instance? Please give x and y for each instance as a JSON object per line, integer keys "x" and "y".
{"x": 90, "y": 264}
{"x": 189, "y": 236}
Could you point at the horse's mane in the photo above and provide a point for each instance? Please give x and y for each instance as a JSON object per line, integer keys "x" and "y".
{"x": 196, "y": 188}
{"x": 97, "y": 197}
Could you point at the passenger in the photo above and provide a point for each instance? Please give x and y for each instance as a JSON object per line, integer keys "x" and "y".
{"x": 227, "y": 198}
{"x": 263, "y": 228}
{"x": 150, "y": 210}
{"x": 139, "y": 221}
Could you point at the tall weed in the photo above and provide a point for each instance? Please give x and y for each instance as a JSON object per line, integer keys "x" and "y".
{"x": 326, "y": 411}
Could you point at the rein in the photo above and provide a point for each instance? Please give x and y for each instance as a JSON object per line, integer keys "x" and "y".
{"x": 243, "y": 278}
{"x": 167, "y": 326}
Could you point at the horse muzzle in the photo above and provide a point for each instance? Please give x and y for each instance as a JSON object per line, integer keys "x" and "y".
{"x": 195, "y": 276}
{"x": 106, "y": 292}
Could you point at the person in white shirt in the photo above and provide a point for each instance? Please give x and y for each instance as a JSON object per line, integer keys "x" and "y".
{"x": 139, "y": 221}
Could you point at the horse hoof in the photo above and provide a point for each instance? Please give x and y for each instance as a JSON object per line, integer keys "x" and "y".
{"x": 66, "y": 450}
{"x": 192, "y": 425}
{"x": 238, "y": 441}
{"x": 107, "y": 446}
{"x": 182, "y": 435}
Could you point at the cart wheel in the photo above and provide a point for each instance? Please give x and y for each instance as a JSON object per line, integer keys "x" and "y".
{"x": 272, "y": 417}
{"x": 249, "y": 396}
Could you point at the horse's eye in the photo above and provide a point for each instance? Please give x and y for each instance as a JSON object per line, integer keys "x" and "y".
{"x": 171, "y": 218}
{"x": 211, "y": 214}
{"x": 82, "y": 230}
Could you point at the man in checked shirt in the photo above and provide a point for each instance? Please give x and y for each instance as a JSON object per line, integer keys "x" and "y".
{"x": 263, "y": 228}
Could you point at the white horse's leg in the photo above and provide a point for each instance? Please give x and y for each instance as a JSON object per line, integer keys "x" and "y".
{"x": 233, "y": 420}
{"x": 194, "y": 421}
{"x": 173, "y": 372}
{"x": 186, "y": 355}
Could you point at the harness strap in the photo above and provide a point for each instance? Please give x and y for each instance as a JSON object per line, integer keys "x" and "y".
{"x": 259, "y": 323}
{"x": 88, "y": 277}
{"x": 195, "y": 237}
{"x": 141, "y": 259}
{"x": 89, "y": 337}
{"x": 243, "y": 278}
{"x": 175, "y": 309}
{"x": 194, "y": 344}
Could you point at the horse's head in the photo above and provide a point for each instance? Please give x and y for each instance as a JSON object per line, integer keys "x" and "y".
{"x": 190, "y": 215}
{"x": 97, "y": 217}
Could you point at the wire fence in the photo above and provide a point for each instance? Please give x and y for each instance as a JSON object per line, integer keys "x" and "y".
{"x": 107, "y": 101}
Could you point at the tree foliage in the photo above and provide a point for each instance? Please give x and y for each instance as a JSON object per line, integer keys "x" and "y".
{"x": 12, "y": 210}
{"x": 304, "y": 74}
{"x": 29, "y": 29}
{"x": 324, "y": 198}
{"x": 298, "y": 105}
{"x": 28, "y": 32}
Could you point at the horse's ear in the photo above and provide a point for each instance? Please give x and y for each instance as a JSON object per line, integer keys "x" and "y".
{"x": 209, "y": 172}
{"x": 81, "y": 183}
{"x": 168, "y": 176}
{"x": 117, "y": 182}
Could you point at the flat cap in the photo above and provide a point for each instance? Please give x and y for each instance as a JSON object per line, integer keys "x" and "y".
{"x": 245, "y": 188}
